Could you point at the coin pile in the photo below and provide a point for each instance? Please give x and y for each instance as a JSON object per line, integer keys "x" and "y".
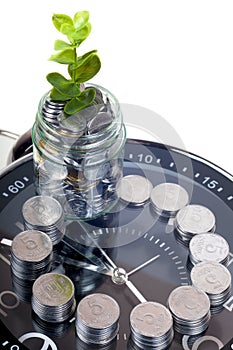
{"x": 97, "y": 320}
{"x": 134, "y": 189}
{"x": 151, "y": 326}
{"x": 85, "y": 186}
{"x": 190, "y": 309}
{"x": 51, "y": 110}
{"x": 210, "y": 247}
{"x": 45, "y": 214}
{"x": 90, "y": 120}
{"x": 53, "y": 297}
{"x": 214, "y": 279}
{"x": 31, "y": 255}
{"x": 193, "y": 220}
{"x": 168, "y": 198}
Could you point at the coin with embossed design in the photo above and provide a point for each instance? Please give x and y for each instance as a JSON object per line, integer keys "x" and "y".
{"x": 97, "y": 319}
{"x": 214, "y": 279}
{"x": 209, "y": 247}
{"x": 168, "y": 198}
{"x": 151, "y": 325}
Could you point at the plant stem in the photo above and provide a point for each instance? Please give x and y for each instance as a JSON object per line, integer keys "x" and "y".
{"x": 75, "y": 60}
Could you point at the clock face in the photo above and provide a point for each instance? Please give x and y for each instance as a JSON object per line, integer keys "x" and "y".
{"x": 130, "y": 235}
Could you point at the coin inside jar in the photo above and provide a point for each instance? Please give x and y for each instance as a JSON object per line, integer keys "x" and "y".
{"x": 190, "y": 309}
{"x": 134, "y": 189}
{"x": 168, "y": 198}
{"x": 31, "y": 254}
{"x": 214, "y": 279}
{"x": 194, "y": 219}
{"x": 210, "y": 247}
{"x": 97, "y": 319}
{"x": 151, "y": 325}
{"x": 99, "y": 123}
{"x": 53, "y": 297}
{"x": 73, "y": 125}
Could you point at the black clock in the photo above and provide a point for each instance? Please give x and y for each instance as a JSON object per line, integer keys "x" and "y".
{"x": 128, "y": 235}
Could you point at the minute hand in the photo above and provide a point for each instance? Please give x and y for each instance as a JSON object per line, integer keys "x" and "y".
{"x": 143, "y": 265}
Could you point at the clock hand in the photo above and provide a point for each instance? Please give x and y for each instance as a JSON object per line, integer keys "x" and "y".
{"x": 143, "y": 265}
{"x": 102, "y": 251}
{"x": 135, "y": 291}
{"x": 119, "y": 275}
{"x": 104, "y": 271}
{"x": 84, "y": 251}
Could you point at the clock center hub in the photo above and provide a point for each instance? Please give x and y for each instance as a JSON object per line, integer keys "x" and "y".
{"x": 119, "y": 275}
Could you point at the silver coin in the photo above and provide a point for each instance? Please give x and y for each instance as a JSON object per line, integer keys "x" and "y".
{"x": 134, "y": 189}
{"x": 31, "y": 246}
{"x": 168, "y": 198}
{"x": 209, "y": 247}
{"x": 31, "y": 255}
{"x": 151, "y": 320}
{"x": 90, "y": 112}
{"x": 50, "y": 112}
{"x": 42, "y": 211}
{"x": 53, "y": 289}
{"x": 72, "y": 125}
{"x": 54, "y": 104}
{"x": 97, "y": 319}
{"x": 99, "y": 123}
{"x": 194, "y": 219}
{"x": 188, "y": 303}
{"x": 53, "y": 297}
{"x": 98, "y": 311}
{"x": 214, "y": 279}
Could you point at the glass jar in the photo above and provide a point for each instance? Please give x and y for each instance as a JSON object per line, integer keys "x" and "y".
{"x": 78, "y": 159}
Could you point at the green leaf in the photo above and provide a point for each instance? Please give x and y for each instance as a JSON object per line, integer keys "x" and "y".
{"x": 64, "y": 57}
{"x": 64, "y": 86}
{"x": 88, "y": 68}
{"x": 81, "y": 35}
{"x": 73, "y": 66}
{"x": 57, "y": 96}
{"x": 83, "y": 57}
{"x": 81, "y": 18}
{"x": 61, "y": 19}
{"x": 67, "y": 29}
{"x": 61, "y": 45}
{"x": 85, "y": 99}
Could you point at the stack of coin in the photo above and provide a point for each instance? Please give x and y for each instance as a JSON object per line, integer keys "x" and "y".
{"x": 97, "y": 320}
{"x": 190, "y": 309}
{"x": 45, "y": 214}
{"x": 51, "y": 111}
{"x": 168, "y": 198}
{"x": 214, "y": 279}
{"x": 210, "y": 247}
{"x": 31, "y": 255}
{"x": 52, "y": 330}
{"x": 53, "y": 297}
{"x": 134, "y": 189}
{"x": 151, "y": 326}
{"x": 193, "y": 220}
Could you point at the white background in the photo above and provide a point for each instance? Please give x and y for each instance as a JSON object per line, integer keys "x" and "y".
{"x": 174, "y": 57}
